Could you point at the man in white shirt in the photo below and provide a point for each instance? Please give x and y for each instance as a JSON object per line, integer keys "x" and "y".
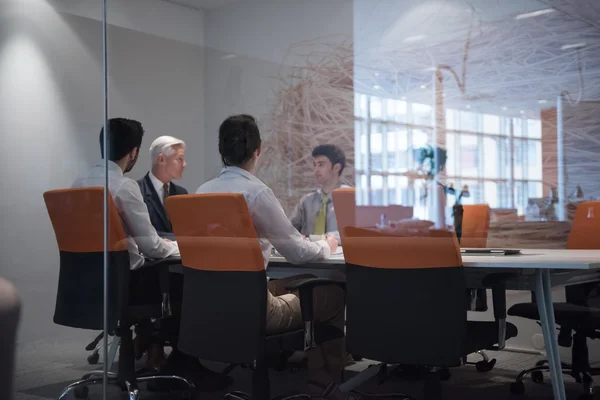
{"x": 314, "y": 214}
{"x": 240, "y": 147}
{"x": 143, "y": 242}
{"x": 168, "y": 162}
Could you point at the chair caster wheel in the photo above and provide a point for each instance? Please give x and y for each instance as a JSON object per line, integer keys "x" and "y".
{"x": 537, "y": 377}
{"x": 485, "y": 366}
{"x": 93, "y": 358}
{"x": 517, "y": 387}
{"x": 81, "y": 392}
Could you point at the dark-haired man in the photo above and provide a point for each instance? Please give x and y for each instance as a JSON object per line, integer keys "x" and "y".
{"x": 314, "y": 215}
{"x": 143, "y": 242}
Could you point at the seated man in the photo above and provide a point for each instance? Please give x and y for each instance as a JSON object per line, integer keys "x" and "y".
{"x": 240, "y": 148}
{"x": 167, "y": 155}
{"x": 143, "y": 242}
{"x": 314, "y": 215}
{"x": 168, "y": 162}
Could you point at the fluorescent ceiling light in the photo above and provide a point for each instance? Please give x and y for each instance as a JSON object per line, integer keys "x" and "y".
{"x": 376, "y": 73}
{"x": 423, "y": 86}
{"x": 468, "y": 107}
{"x": 504, "y": 108}
{"x": 542, "y": 101}
{"x": 376, "y": 87}
{"x": 535, "y": 13}
{"x": 412, "y": 39}
{"x": 573, "y": 46}
{"x": 228, "y": 56}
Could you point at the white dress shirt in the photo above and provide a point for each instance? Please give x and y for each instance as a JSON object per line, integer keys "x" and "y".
{"x": 272, "y": 226}
{"x": 142, "y": 240}
{"x": 159, "y": 187}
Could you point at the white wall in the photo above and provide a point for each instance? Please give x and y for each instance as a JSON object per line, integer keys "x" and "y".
{"x": 51, "y": 104}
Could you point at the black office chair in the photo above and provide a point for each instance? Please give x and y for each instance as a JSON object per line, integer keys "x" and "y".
{"x": 576, "y": 318}
{"x": 78, "y": 220}
{"x": 225, "y": 291}
{"x": 409, "y": 288}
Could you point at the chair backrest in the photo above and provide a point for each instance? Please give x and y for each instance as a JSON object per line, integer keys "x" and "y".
{"x": 225, "y": 284}
{"x": 405, "y": 296}
{"x": 347, "y": 213}
{"x": 77, "y": 216}
{"x": 475, "y": 225}
{"x": 10, "y": 313}
{"x": 585, "y": 229}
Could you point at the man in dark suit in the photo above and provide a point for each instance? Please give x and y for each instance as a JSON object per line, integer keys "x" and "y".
{"x": 168, "y": 162}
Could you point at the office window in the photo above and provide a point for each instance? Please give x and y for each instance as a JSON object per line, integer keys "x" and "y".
{"x": 499, "y": 158}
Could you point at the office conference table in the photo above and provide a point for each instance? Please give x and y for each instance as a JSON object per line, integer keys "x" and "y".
{"x": 533, "y": 270}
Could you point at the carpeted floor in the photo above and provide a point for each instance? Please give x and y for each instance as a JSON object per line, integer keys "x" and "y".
{"x": 44, "y": 368}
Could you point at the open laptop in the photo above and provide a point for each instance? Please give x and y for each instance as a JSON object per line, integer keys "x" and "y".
{"x": 489, "y": 251}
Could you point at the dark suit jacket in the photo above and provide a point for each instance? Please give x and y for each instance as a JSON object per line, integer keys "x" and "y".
{"x": 158, "y": 214}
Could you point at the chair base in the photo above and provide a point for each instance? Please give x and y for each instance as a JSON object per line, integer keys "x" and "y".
{"x": 81, "y": 387}
{"x": 485, "y": 365}
{"x": 536, "y": 375}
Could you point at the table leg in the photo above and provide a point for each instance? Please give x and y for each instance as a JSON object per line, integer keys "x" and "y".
{"x": 543, "y": 295}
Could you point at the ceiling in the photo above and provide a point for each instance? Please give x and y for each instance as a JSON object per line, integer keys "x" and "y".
{"x": 203, "y": 4}
{"x": 511, "y": 64}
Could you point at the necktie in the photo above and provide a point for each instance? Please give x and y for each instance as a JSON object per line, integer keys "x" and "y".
{"x": 321, "y": 217}
{"x": 165, "y": 192}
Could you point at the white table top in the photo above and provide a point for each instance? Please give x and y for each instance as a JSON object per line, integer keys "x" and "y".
{"x": 529, "y": 258}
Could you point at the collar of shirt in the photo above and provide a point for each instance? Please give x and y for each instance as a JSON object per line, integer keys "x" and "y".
{"x": 239, "y": 171}
{"x": 113, "y": 168}
{"x": 321, "y": 193}
{"x": 158, "y": 185}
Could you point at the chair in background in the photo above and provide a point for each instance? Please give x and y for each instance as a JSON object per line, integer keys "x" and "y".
{"x": 347, "y": 213}
{"x": 225, "y": 290}
{"x": 10, "y": 313}
{"x": 409, "y": 287}
{"x": 578, "y": 320}
{"x": 475, "y": 225}
{"x": 77, "y": 216}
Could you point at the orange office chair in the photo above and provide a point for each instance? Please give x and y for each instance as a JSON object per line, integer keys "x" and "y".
{"x": 475, "y": 225}
{"x": 224, "y": 309}
{"x": 578, "y": 320}
{"x": 409, "y": 287}
{"x": 77, "y": 216}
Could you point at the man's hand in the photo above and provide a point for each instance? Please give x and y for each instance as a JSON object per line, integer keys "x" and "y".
{"x": 333, "y": 243}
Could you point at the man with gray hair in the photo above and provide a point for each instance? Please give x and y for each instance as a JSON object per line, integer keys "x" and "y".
{"x": 168, "y": 162}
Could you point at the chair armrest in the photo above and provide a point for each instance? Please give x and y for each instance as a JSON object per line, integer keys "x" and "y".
{"x": 497, "y": 282}
{"x": 305, "y": 289}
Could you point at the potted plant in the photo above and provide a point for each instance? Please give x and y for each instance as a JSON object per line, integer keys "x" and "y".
{"x": 428, "y": 169}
